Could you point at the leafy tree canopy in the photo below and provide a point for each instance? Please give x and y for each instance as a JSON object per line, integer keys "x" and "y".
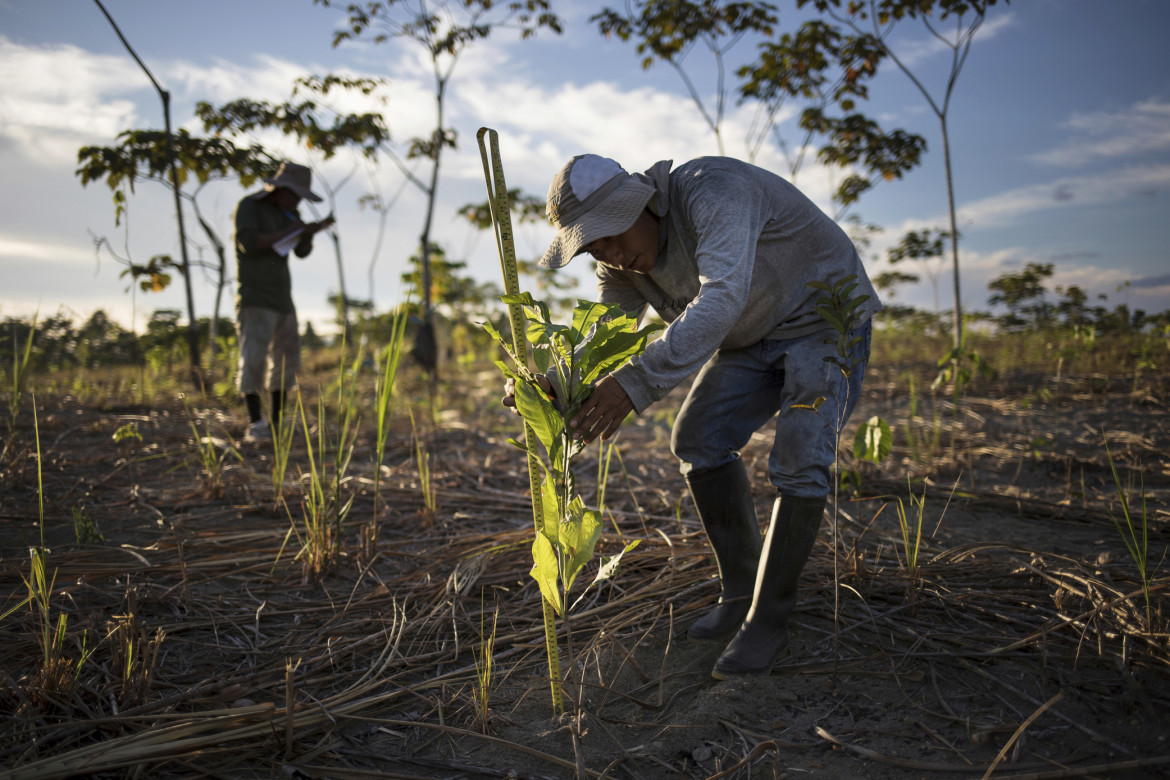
{"x": 144, "y": 154}
{"x": 667, "y": 29}
{"x": 313, "y": 123}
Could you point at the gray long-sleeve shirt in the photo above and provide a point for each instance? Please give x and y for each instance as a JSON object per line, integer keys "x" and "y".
{"x": 738, "y": 245}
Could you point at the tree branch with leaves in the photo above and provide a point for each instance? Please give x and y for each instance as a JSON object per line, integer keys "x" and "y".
{"x": 445, "y": 29}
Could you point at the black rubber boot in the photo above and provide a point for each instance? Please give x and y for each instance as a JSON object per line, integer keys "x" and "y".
{"x": 724, "y": 500}
{"x": 277, "y": 406}
{"x": 252, "y": 402}
{"x": 764, "y": 634}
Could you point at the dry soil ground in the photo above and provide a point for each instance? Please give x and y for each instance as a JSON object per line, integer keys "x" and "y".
{"x": 1021, "y": 645}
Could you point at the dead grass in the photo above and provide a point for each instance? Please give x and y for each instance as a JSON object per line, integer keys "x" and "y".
{"x": 1024, "y": 648}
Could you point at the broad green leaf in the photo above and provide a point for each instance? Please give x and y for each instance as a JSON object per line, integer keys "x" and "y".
{"x": 542, "y": 332}
{"x": 613, "y": 352}
{"x": 538, "y": 311}
{"x": 518, "y": 299}
{"x": 550, "y": 507}
{"x": 538, "y": 411}
{"x": 579, "y": 535}
{"x": 545, "y": 571}
{"x": 832, "y": 318}
{"x": 492, "y": 331}
{"x": 542, "y": 357}
{"x": 585, "y": 315}
{"x": 873, "y": 441}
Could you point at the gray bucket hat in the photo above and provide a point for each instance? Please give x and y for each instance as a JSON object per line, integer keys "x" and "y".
{"x": 592, "y": 197}
{"x": 293, "y": 177}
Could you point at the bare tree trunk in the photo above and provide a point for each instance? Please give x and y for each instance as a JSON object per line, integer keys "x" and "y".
{"x": 221, "y": 274}
{"x": 185, "y": 266}
{"x": 192, "y": 324}
{"x": 958, "y": 318}
{"x": 343, "y": 296}
{"x": 426, "y": 348}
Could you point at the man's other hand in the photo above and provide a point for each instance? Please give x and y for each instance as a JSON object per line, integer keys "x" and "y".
{"x": 603, "y": 412}
{"x": 509, "y": 399}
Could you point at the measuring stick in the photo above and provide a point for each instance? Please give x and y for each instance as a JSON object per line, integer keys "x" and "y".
{"x": 493, "y": 173}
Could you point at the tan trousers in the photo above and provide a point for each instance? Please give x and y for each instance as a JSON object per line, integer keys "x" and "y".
{"x": 270, "y": 342}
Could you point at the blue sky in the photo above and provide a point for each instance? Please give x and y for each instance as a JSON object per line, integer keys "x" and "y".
{"x": 1060, "y": 131}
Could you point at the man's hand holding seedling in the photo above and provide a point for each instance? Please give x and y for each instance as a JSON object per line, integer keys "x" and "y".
{"x": 601, "y": 414}
{"x": 603, "y": 411}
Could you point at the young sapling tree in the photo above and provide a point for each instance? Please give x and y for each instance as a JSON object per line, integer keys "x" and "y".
{"x": 572, "y": 358}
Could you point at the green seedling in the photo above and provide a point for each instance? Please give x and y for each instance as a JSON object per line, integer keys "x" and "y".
{"x": 872, "y": 443}
{"x": 85, "y": 530}
{"x": 841, "y": 309}
{"x": 425, "y": 484}
{"x": 958, "y": 369}
{"x": 385, "y": 375}
{"x": 19, "y": 377}
{"x": 573, "y": 358}
{"x": 1135, "y": 533}
{"x": 133, "y": 657}
{"x": 922, "y": 442}
{"x": 58, "y": 674}
{"x": 127, "y": 434}
{"x": 325, "y": 505}
{"x": 282, "y": 437}
{"x": 318, "y": 542}
{"x": 211, "y": 458}
{"x": 605, "y": 452}
{"x": 910, "y": 525}
{"x": 484, "y": 672}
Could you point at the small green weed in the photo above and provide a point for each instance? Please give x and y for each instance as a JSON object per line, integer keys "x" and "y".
{"x": 1135, "y": 533}
{"x": 18, "y": 379}
{"x": 210, "y": 458}
{"x": 386, "y": 373}
{"x": 127, "y": 434}
{"x": 484, "y": 671}
{"x": 85, "y": 530}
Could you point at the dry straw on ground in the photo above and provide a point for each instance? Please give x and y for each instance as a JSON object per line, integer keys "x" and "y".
{"x": 1019, "y": 648}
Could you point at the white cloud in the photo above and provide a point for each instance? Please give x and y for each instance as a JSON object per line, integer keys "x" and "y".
{"x": 914, "y": 52}
{"x": 1143, "y": 128}
{"x": 56, "y": 98}
{"x": 266, "y": 78}
{"x": 543, "y": 126}
{"x": 1074, "y": 191}
{"x": 43, "y": 251}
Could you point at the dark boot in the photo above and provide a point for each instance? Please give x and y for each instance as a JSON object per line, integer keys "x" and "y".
{"x": 724, "y": 500}
{"x": 764, "y": 635}
{"x": 252, "y": 402}
{"x": 278, "y": 397}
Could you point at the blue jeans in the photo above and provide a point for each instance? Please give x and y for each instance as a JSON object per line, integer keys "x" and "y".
{"x": 739, "y": 390}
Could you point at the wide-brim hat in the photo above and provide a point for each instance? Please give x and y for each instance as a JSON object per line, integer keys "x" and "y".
{"x": 592, "y": 197}
{"x": 292, "y": 176}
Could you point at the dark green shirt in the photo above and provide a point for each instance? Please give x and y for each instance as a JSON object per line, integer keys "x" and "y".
{"x": 262, "y": 274}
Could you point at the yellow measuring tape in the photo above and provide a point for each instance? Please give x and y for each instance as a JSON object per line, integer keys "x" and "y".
{"x": 493, "y": 172}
